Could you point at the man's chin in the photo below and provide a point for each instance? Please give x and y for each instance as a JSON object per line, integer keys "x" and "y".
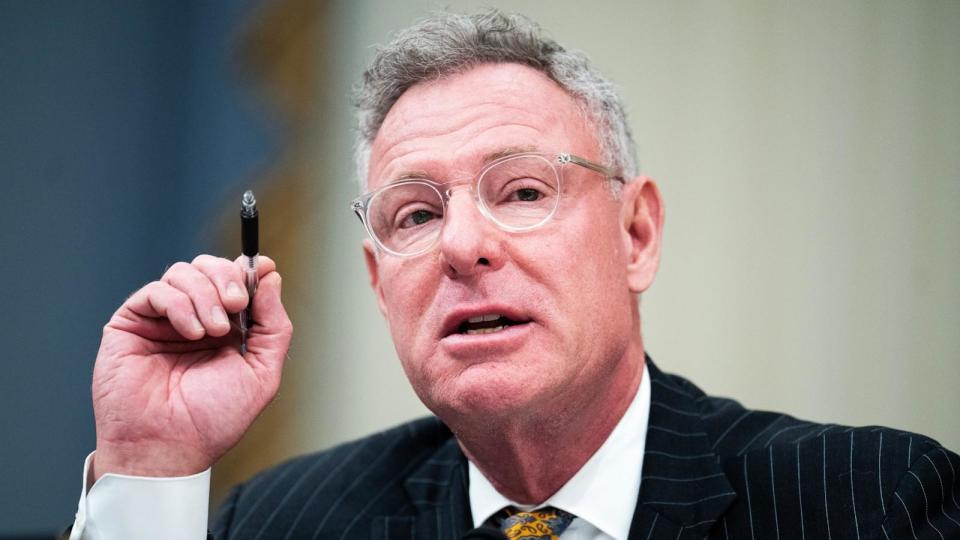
{"x": 485, "y": 394}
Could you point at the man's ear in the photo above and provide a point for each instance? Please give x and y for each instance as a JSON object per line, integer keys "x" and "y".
{"x": 370, "y": 256}
{"x": 642, "y": 226}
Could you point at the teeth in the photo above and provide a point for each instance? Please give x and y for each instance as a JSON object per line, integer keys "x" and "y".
{"x": 484, "y": 318}
{"x": 485, "y": 330}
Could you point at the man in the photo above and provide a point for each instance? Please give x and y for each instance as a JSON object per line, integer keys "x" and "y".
{"x": 510, "y": 237}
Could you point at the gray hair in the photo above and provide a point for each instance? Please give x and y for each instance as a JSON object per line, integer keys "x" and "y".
{"x": 449, "y": 43}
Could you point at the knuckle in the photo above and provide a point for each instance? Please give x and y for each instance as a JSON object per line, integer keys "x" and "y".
{"x": 232, "y": 269}
{"x": 182, "y": 312}
{"x": 178, "y": 298}
{"x": 150, "y": 289}
{"x": 176, "y": 269}
{"x": 214, "y": 267}
{"x": 155, "y": 285}
{"x": 179, "y": 266}
{"x": 202, "y": 259}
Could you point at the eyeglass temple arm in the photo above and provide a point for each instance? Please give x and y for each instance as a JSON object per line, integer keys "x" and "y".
{"x": 595, "y": 167}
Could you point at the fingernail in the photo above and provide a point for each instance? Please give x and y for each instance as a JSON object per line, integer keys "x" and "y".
{"x": 234, "y": 290}
{"x": 195, "y": 323}
{"x": 219, "y": 316}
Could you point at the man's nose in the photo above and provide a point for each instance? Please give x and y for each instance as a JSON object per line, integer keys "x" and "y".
{"x": 469, "y": 242}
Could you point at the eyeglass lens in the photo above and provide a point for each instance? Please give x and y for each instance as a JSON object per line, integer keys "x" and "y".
{"x": 518, "y": 193}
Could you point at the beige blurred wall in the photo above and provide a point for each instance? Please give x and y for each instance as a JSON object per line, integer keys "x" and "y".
{"x": 809, "y": 156}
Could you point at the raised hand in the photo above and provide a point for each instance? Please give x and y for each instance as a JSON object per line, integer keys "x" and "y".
{"x": 171, "y": 391}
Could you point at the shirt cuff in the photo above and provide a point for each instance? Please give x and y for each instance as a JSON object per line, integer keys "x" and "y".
{"x": 119, "y": 506}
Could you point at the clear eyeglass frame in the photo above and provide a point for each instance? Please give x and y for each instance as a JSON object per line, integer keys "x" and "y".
{"x": 361, "y": 205}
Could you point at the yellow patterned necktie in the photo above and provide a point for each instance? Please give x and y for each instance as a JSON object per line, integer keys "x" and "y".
{"x": 542, "y": 524}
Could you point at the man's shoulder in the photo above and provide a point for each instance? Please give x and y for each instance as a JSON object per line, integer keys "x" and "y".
{"x": 783, "y": 473}
{"x": 782, "y": 445}
{"x": 734, "y": 430}
{"x": 353, "y": 478}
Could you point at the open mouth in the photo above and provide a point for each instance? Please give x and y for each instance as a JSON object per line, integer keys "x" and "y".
{"x": 486, "y": 324}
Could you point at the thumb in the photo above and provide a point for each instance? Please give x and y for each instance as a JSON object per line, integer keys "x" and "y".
{"x": 272, "y": 330}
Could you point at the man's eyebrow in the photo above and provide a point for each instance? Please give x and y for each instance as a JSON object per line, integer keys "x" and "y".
{"x": 487, "y": 158}
{"x": 508, "y": 151}
{"x": 411, "y": 175}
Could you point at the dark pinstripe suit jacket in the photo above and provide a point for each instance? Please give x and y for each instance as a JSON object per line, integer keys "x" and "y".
{"x": 712, "y": 469}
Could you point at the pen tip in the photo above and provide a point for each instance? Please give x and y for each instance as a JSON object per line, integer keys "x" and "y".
{"x": 248, "y": 198}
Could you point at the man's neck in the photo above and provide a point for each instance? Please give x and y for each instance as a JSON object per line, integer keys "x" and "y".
{"x": 528, "y": 459}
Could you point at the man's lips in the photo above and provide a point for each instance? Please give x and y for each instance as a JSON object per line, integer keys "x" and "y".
{"x": 481, "y": 320}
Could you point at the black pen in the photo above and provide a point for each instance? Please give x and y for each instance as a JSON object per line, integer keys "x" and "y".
{"x": 249, "y": 239}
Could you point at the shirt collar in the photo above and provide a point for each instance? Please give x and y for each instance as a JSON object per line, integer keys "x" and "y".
{"x": 604, "y": 491}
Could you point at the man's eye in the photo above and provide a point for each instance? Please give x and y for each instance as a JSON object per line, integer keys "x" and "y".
{"x": 527, "y": 195}
{"x": 526, "y": 189}
{"x": 417, "y": 217}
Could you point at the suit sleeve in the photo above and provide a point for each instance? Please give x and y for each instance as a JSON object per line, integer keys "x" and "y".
{"x": 926, "y": 502}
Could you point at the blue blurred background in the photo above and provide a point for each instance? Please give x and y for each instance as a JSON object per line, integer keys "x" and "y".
{"x": 126, "y": 138}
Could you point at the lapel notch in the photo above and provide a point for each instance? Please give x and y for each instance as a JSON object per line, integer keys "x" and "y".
{"x": 683, "y": 485}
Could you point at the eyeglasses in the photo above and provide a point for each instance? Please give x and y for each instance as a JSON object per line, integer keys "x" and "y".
{"x": 518, "y": 193}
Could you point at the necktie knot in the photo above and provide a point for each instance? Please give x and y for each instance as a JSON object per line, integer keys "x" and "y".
{"x": 541, "y": 524}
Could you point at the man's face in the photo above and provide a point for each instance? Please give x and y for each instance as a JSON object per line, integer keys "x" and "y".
{"x": 564, "y": 287}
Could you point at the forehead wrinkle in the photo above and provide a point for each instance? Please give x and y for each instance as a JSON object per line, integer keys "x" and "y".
{"x": 413, "y": 131}
{"x": 462, "y": 117}
{"x": 454, "y": 111}
{"x": 406, "y": 162}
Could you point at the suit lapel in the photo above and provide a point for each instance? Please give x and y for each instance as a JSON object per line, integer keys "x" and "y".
{"x": 439, "y": 495}
{"x": 683, "y": 488}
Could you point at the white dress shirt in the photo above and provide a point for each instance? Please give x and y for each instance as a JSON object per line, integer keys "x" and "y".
{"x": 603, "y": 493}
{"x": 122, "y": 507}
